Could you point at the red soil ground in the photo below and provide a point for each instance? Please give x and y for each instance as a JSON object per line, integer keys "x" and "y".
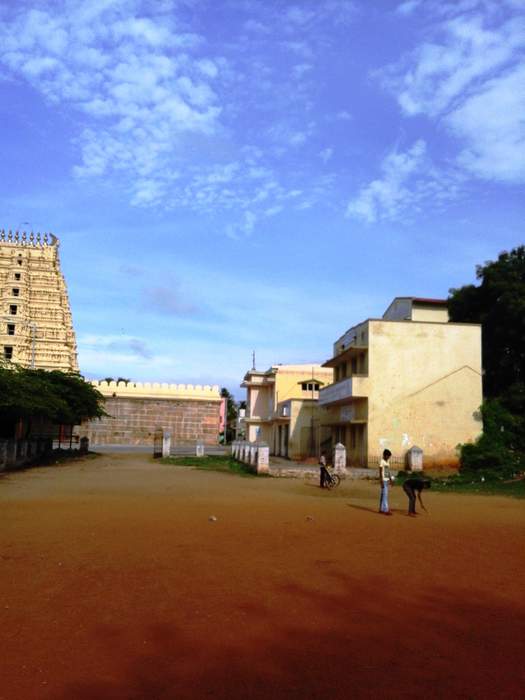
{"x": 115, "y": 585}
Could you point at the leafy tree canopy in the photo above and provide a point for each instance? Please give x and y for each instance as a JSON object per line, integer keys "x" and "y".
{"x": 231, "y": 405}
{"x": 498, "y": 303}
{"x": 57, "y": 396}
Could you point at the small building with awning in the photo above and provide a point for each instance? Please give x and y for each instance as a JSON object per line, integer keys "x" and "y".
{"x": 282, "y": 408}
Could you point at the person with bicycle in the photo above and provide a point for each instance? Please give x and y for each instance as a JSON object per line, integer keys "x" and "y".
{"x": 324, "y": 474}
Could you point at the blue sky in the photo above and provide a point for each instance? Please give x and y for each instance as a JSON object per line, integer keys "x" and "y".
{"x": 230, "y": 175}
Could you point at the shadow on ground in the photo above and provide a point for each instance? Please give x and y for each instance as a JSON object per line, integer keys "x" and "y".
{"x": 366, "y": 642}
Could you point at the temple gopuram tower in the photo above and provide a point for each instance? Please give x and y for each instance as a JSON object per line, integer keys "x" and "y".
{"x": 36, "y": 328}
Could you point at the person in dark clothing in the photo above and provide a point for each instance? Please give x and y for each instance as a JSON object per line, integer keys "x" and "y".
{"x": 414, "y": 486}
{"x": 325, "y": 476}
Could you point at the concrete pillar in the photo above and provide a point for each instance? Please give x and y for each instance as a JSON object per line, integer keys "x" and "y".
{"x": 415, "y": 459}
{"x": 263, "y": 458}
{"x": 233, "y": 447}
{"x": 339, "y": 460}
{"x": 246, "y": 453}
{"x": 166, "y": 444}
{"x": 84, "y": 445}
{"x": 199, "y": 449}
{"x": 253, "y": 456}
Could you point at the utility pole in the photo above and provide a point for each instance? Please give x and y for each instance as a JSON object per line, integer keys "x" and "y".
{"x": 312, "y": 431}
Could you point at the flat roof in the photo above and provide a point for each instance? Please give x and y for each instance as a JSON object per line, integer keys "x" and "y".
{"x": 422, "y": 300}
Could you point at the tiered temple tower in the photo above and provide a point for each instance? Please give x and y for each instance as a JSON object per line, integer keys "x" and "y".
{"x": 36, "y": 328}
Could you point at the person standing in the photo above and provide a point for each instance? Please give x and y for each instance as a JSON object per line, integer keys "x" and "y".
{"x": 385, "y": 477}
{"x": 414, "y": 486}
{"x": 323, "y": 470}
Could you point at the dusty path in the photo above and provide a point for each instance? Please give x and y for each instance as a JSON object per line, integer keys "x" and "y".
{"x": 115, "y": 585}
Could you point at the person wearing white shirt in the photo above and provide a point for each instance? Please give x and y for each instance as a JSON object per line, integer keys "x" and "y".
{"x": 385, "y": 479}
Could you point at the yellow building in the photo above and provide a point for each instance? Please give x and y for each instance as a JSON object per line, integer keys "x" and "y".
{"x": 282, "y": 408}
{"x": 36, "y": 328}
{"x": 411, "y": 378}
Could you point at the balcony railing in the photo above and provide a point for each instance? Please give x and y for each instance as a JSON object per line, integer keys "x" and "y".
{"x": 352, "y": 387}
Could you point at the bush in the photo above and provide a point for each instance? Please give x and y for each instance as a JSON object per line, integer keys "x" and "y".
{"x": 501, "y": 446}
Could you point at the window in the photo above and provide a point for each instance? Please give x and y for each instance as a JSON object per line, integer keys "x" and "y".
{"x": 18, "y": 276}
{"x": 342, "y": 370}
{"x": 10, "y": 329}
{"x": 310, "y": 386}
{"x": 354, "y": 365}
{"x": 12, "y": 309}
{"x": 8, "y": 352}
{"x": 15, "y": 291}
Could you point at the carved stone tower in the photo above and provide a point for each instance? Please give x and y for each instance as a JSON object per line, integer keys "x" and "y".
{"x": 36, "y": 328}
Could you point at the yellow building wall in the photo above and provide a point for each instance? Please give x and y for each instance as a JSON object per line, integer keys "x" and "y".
{"x": 429, "y": 314}
{"x": 263, "y": 400}
{"x": 288, "y": 380}
{"x": 425, "y": 388}
{"x": 260, "y": 401}
{"x": 300, "y": 429}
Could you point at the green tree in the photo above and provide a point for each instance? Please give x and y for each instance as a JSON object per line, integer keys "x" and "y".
{"x": 498, "y": 303}
{"x": 60, "y": 397}
{"x": 231, "y": 412}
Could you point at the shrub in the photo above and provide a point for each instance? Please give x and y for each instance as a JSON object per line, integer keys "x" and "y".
{"x": 502, "y": 443}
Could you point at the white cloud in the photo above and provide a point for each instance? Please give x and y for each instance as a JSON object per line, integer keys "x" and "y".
{"x": 272, "y": 211}
{"x": 408, "y": 7}
{"x": 299, "y": 15}
{"x": 143, "y": 30}
{"x": 326, "y": 154}
{"x": 301, "y": 69}
{"x": 157, "y": 107}
{"x": 207, "y": 67}
{"x": 243, "y": 228}
{"x": 443, "y": 71}
{"x": 387, "y": 197}
{"x": 253, "y": 25}
{"x": 492, "y": 125}
{"x": 127, "y": 74}
{"x": 470, "y": 77}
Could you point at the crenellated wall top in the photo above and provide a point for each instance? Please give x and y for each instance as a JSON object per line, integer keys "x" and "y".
{"x": 33, "y": 240}
{"x": 154, "y": 390}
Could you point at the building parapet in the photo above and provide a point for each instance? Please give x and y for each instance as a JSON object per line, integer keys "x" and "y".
{"x": 28, "y": 239}
{"x": 352, "y": 387}
{"x": 155, "y": 390}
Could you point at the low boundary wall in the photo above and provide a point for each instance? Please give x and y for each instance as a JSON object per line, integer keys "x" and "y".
{"x": 15, "y": 454}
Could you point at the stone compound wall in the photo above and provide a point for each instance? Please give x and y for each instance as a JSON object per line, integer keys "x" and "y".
{"x": 189, "y": 413}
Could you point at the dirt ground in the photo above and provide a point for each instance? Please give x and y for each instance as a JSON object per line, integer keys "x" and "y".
{"x": 115, "y": 584}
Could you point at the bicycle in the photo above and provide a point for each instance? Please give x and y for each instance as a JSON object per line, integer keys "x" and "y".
{"x": 332, "y": 481}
